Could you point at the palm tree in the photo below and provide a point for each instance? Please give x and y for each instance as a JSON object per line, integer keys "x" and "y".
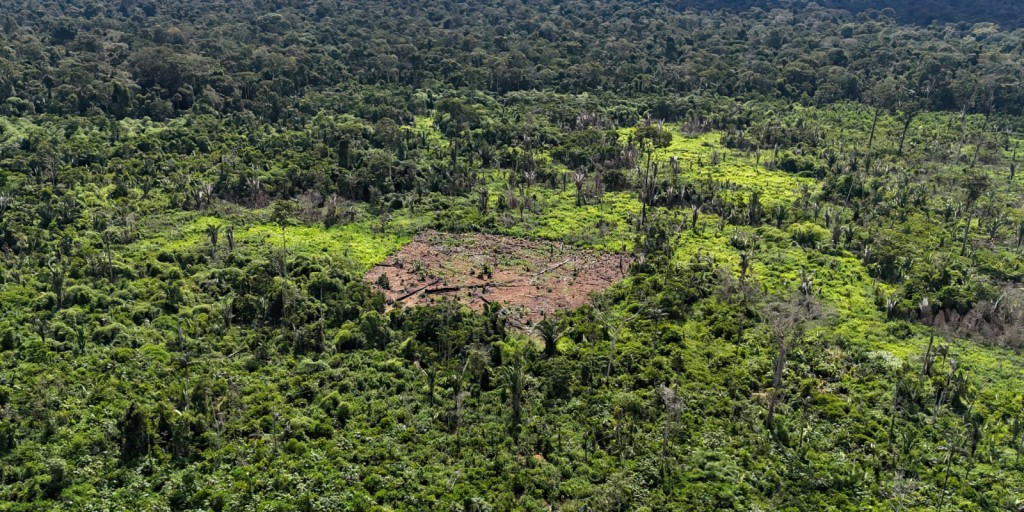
{"x": 549, "y": 332}
{"x": 514, "y": 377}
{"x": 57, "y": 274}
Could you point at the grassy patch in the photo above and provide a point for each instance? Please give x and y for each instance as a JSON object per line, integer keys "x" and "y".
{"x": 358, "y": 242}
{"x": 704, "y": 157}
{"x": 604, "y": 226}
{"x": 361, "y": 242}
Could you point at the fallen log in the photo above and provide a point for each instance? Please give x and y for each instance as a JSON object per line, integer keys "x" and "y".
{"x": 446, "y": 289}
{"x": 549, "y": 269}
{"x": 420, "y": 289}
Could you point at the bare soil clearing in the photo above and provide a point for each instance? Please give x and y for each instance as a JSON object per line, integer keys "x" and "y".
{"x": 531, "y": 279}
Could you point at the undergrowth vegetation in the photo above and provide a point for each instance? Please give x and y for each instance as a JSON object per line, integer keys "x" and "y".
{"x": 824, "y": 310}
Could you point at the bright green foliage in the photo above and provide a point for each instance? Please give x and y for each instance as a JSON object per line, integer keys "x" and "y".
{"x": 825, "y": 310}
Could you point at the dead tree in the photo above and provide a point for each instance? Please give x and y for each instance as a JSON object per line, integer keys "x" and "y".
{"x": 614, "y": 322}
{"x": 787, "y": 322}
{"x": 580, "y": 178}
{"x": 674, "y": 405}
{"x": 974, "y": 187}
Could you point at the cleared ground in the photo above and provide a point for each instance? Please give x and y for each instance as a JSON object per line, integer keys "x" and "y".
{"x": 531, "y": 279}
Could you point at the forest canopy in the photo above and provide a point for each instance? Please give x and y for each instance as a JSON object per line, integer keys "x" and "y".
{"x": 506, "y": 255}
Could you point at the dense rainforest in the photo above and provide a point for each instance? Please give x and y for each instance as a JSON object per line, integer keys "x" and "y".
{"x": 1007, "y": 14}
{"x": 296, "y": 256}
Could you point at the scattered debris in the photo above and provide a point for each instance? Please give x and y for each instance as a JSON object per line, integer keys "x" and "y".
{"x": 532, "y": 279}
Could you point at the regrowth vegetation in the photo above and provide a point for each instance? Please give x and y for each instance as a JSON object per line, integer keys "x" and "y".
{"x": 808, "y": 225}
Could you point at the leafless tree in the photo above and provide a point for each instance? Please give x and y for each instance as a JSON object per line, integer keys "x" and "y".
{"x": 674, "y": 405}
{"x": 579, "y": 178}
{"x": 614, "y": 322}
{"x": 787, "y": 321}
{"x": 6, "y": 202}
{"x": 974, "y": 187}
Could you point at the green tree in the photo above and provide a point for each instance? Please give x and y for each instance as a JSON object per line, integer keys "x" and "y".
{"x": 135, "y": 437}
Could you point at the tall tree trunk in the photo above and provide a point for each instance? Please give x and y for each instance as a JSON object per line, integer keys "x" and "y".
{"x": 772, "y": 400}
{"x": 967, "y": 229}
{"x": 903, "y": 134}
{"x": 778, "y": 371}
{"x": 871, "y": 137}
{"x": 611, "y": 355}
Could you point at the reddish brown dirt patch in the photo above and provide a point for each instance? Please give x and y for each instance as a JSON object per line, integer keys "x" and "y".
{"x": 531, "y": 279}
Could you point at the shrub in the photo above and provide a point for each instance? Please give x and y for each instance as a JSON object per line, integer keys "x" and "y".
{"x": 108, "y": 334}
{"x": 808, "y": 234}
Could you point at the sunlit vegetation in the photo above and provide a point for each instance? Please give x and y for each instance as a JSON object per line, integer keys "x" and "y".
{"x": 822, "y": 233}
